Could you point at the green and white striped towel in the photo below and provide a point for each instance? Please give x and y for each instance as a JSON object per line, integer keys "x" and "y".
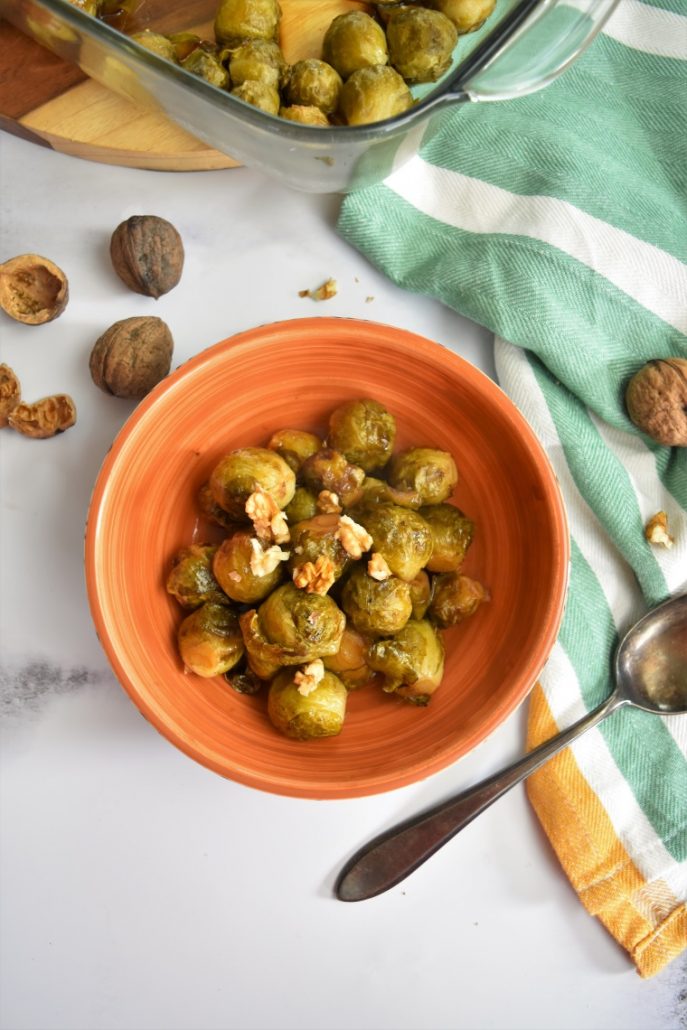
{"x": 559, "y": 221}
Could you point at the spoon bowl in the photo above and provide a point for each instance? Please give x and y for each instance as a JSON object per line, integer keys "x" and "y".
{"x": 650, "y": 673}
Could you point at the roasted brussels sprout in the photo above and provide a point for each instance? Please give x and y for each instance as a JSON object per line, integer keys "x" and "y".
{"x": 191, "y": 579}
{"x": 376, "y": 608}
{"x": 420, "y": 594}
{"x": 258, "y": 60}
{"x": 377, "y": 491}
{"x": 364, "y": 432}
{"x": 314, "y": 539}
{"x": 329, "y": 470}
{"x": 87, "y": 6}
{"x": 239, "y": 20}
{"x": 451, "y": 536}
{"x": 420, "y": 43}
{"x": 243, "y": 680}
{"x": 184, "y": 43}
{"x": 350, "y": 661}
{"x": 373, "y": 94}
{"x": 156, "y": 43}
{"x": 466, "y": 15}
{"x": 302, "y": 506}
{"x": 239, "y": 574}
{"x": 412, "y": 661}
{"x": 354, "y": 40}
{"x": 211, "y": 510}
{"x": 319, "y": 713}
{"x": 314, "y": 83}
{"x": 295, "y": 446}
{"x": 206, "y": 66}
{"x": 291, "y": 627}
{"x": 241, "y": 472}
{"x": 400, "y": 535}
{"x": 305, "y": 114}
{"x": 429, "y": 472}
{"x": 210, "y": 641}
{"x": 259, "y": 94}
{"x": 455, "y": 598}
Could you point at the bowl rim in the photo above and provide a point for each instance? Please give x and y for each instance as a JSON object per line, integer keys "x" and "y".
{"x": 405, "y": 340}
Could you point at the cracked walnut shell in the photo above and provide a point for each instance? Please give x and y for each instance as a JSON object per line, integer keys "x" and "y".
{"x": 147, "y": 254}
{"x": 10, "y": 393}
{"x": 132, "y": 356}
{"x": 47, "y": 417}
{"x": 33, "y": 290}
{"x": 656, "y": 400}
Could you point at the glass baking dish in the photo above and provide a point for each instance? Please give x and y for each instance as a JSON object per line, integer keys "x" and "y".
{"x": 522, "y": 47}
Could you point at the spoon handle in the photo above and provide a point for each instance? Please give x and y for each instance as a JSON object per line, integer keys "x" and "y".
{"x": 389, "y": 858}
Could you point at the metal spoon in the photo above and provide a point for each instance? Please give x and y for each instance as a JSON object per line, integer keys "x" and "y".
{"x": 650, "y": 673}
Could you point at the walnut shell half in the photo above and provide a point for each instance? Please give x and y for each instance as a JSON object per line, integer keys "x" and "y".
{"x": 33, "y": 290}
{"x": 132, "y": 356}
{"x": 656, "y": 400}
{"x": 45, "y": 418}
{"x": 147, "y": 254}
{"x": 10, "y": 393}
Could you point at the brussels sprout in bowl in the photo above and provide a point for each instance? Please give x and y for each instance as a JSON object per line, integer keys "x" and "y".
{"x": 145, "y": 510}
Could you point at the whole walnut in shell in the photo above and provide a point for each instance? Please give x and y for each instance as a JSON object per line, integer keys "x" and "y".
{"x": 656, "y": 400}
{"x": 33, "y": 290}
{"x": 132, "y": 356}
{"x": 147, "y": 254}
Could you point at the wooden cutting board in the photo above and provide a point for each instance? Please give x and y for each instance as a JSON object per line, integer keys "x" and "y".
{"x": 49, "y": 101}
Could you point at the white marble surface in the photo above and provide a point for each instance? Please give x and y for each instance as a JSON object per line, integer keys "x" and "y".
{"x": 140, "y": 890}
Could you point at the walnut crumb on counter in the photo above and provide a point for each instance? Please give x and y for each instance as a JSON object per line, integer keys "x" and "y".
{"x": 377, "y": 567}
{"x": 354, "y": 537}
{"x": 328, "y": 503}
{"x": 308, "y": 678}
{"x": 263, "y": 561}
{"x": 269, "y": 521}
{"x": 656, "y": 530}
{"x": 326, "y": 291}
{"x": 315, "y": 577}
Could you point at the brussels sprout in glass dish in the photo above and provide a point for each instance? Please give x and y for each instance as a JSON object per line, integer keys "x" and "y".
{"x": 306, "y": 114}
{"x": 239, "y": 20}
{"x": 375, "y": 608}
{"x": 319, "y": 713}
{"x": 210, "y": 641}
{"x": 452, "y": 533}
{"x": 412, "y": 661}
{"x": 364, "y": 431}
{"x": 258, "y": 60}
{"x": 429, "y": 472}
{"x": 241, "y": 472}
{"x": 420, "y": 43}
{"x": 156, "y": 43}
{"x": 314, "y": 83}
{"x": 466, "y": 15}
{"x": 291, "y": 627}
{"x": 455, "y": 598}
{"x": 328, "y": 469}
{"x": 400, "y": 535}
{"x": 191, "y": 579}
{"x": 208, "y": 66}
{"x": 374, "y": 94}
{"x": 259, "y": 94}
{"x": 354, "y": 40}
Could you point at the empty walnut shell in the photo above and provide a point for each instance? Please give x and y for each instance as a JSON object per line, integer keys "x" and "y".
{"x": 147, "y": 254}
{"x": 656, "y": 400}
{"x": 132, "y": 356}
{"x": 45, "y": 418}
{"x": 33, "y": 290}
{"x": 10, "y": 393}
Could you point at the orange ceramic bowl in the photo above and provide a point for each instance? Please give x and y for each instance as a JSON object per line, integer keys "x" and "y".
{"x": 292, "y": 374}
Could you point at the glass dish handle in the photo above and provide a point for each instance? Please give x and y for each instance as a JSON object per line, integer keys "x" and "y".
{"x": 533, "y": 45}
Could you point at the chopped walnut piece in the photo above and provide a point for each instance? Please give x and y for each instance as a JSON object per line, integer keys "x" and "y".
{"x": 354, "y": 538}
{"x": 377, "y": 567}
{"x": 308, "y": 678}
{"x": 264, "y": 561}
{"x": 315, "y": 577}
{"x": 326, "y": 291}
{"x": 328, "y": 502}
{"x": 656, "y": 530}
{"x": 269, "y": 521}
